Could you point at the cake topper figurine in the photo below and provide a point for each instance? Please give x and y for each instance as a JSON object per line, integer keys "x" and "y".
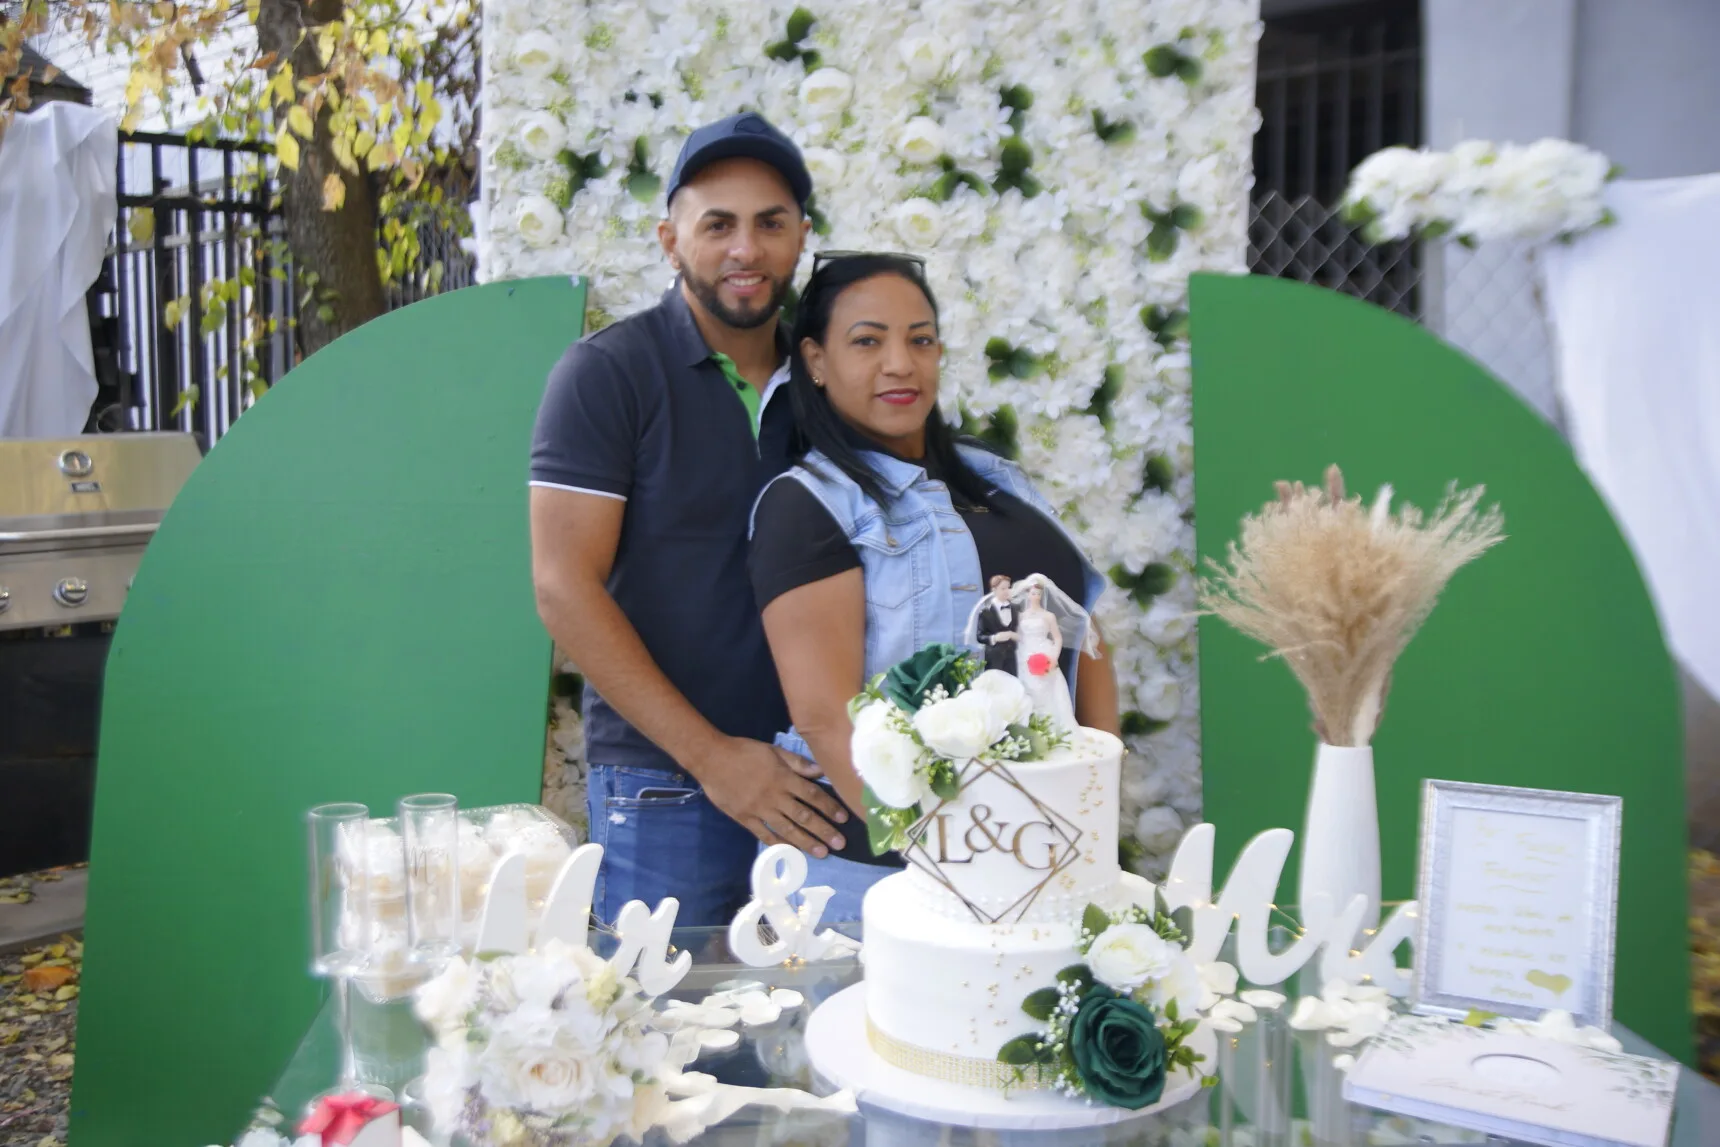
{"x": 997, "y": 620}
{"x": 1032, "y": 645}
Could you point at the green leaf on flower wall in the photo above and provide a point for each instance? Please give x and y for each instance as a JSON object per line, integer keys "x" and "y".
{"x": 800, "y": 23}
{"x": 1041, "y": 1004}
{"x": 1158, "y": 475}
{"x": 1161, "y": 61}
{"x": 643, "y": 186}
{"x": 811, "y": 61}
{"x": 1162, "y": 242}
{"x": 1110, "y": 385}
{"x": 1188, "y": 69}
{"x": 1185, "y": 216}
{"x": 1016, "y": 157}
{"x": 782, "y": 50}
{"x": 1022, "y": 364}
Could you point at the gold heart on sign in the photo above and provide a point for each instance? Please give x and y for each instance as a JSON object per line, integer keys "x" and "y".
{"x": 1557, "y": 984}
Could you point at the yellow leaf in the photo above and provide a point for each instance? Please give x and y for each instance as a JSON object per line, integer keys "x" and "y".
{"x": 57, "y": 951}
{"x": 402, "y": 137}
{"x": 30, "y": 958}
{"x": 69, "y": 992}
{"x": 63, "y": 1060}
{"x": 362, "y": 145}
{"x": 287, "y": 150}
{"x": 334, "y": 192}
{"x": 379, "y": 43}
{"x": 343, "y": 155}
{"x": 425, "y": 92}
{"x": 300, "y": 121}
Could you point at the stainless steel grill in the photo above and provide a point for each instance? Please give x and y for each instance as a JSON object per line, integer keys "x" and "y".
{"x": 75, "y": 516}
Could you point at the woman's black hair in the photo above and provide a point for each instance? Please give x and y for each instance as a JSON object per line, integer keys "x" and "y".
{"x": 820, "y": 427}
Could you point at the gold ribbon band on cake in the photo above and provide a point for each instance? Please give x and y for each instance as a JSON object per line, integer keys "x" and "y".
{"x": 948, "y": 1067}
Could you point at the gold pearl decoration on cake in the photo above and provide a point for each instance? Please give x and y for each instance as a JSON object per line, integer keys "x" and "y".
{"x": 970, "y": 1071}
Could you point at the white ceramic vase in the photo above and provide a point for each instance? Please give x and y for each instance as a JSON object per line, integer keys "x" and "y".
{"x": 1341, "y": 839}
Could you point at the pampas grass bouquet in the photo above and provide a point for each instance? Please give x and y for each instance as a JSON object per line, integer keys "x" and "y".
{"x": 1337, "y": 588}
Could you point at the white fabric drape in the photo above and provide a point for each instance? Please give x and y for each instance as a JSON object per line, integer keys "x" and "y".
{"x": 1635, "y": 311}
{"x": 57, "y": 208}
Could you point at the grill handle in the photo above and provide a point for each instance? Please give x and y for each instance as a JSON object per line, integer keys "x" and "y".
{"x": 80, "y": 533}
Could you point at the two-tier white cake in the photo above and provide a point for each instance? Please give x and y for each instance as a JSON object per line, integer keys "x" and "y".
{"x": 990, "y": 908}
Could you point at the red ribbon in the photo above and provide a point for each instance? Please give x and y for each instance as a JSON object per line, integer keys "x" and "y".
{"x": 339, "y": 1118}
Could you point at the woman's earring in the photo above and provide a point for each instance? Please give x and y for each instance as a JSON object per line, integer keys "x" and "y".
{"x": 816, "y": 381}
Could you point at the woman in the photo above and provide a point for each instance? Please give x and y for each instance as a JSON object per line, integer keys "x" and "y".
{"x": 878, "y": 542}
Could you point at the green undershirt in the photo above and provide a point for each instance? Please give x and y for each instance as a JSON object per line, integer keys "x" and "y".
{"x": 745, "y": 390}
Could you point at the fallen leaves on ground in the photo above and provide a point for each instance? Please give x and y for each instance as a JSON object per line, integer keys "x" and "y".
{"x": 38, "y": 1030}
{"x": 1705, "y": 958}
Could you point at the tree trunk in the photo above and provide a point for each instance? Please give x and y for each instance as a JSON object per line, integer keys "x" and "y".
{"x": 338, "y": 246}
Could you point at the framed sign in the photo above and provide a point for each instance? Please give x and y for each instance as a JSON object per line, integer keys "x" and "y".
{"x": 1519, "y": 901}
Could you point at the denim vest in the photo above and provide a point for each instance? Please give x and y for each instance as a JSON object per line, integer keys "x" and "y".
{"x": 919, "y": 562}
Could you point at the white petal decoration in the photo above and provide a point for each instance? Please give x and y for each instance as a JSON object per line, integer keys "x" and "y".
{"x": 1344, "y": 1062}
{"x": 719, "y": 1040}
{"x": 787, "y": 998}
{"x": 1262, "y": 999}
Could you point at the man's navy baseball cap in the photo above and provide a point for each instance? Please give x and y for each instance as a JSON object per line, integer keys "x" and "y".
{"x": 745, "y": 136}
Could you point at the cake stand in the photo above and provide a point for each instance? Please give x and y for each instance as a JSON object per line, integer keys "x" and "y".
{"x": 839, "y": 1051}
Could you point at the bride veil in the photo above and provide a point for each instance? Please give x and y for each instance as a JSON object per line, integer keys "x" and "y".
{"x": 1071, "y": 618}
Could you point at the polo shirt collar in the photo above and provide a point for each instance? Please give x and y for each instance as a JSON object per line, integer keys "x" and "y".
{"x": 689, "y": 345}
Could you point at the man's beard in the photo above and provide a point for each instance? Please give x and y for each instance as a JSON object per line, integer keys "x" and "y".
{"x": 740, "y": 320}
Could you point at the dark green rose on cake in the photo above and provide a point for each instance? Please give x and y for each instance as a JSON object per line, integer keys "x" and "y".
{"x": 1119, "y": 1050}
{"x": 908, "y": 682}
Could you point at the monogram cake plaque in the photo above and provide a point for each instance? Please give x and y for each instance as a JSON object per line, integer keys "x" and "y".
{"x": 994, "y": 833}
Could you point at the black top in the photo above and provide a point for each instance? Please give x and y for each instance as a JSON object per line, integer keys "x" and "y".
{"x": 640, "y": 412}
{"x": 797, "y": 542}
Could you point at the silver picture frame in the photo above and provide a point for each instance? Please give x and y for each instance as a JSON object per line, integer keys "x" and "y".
{"x": 1602, "y": 816}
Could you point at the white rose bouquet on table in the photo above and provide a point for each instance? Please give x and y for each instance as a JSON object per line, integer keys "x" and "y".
{"x": 917, "y": 726}
{"x": 543, "y": 1049}
{"x": 1478, "y": 192}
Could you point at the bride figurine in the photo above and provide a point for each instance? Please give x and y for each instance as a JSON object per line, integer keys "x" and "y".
{"x": 1041, "y": 611}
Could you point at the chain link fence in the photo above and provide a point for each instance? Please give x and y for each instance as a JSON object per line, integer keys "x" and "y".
{"x": 1485, "y": 302}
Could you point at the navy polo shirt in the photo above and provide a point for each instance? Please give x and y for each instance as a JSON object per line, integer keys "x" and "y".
{"x": 641, "y": 412}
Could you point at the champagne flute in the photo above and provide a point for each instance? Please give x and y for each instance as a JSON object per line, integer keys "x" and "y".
{"x": 341, "y": 919}
{"x": 430, "y": 830}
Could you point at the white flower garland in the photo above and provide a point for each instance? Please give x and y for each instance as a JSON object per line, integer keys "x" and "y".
{"x": 1064, "y": 167}
{"x": 1479, "y": 192}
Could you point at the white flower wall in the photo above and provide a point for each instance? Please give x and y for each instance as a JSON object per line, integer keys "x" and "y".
{"x": 1063, "y": 166}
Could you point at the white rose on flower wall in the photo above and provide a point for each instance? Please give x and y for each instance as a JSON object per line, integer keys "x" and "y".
{"x": 1034, "y": 235}
{"x": 542, "y": 136}
{"x": 827, "y": 92}
{"x": 919, "y": 222}
{"x": 538, "y": 220}
{"x": 921, "y": 140}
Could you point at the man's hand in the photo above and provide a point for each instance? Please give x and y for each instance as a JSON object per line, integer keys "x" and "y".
{"x": 1006, "y": 635}
{"x": 766, "y": 790}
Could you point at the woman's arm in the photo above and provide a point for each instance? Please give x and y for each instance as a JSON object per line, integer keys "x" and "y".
{"x": 817, "y": 635}
{"x": 1096, "y": 693}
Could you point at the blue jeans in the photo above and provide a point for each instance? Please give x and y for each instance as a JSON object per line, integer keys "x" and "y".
{"x": 849, "y": 878}
{"x": 662, "y": 836}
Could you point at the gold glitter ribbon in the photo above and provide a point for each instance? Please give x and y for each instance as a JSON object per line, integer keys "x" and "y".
{"x": 948, "y": 1067}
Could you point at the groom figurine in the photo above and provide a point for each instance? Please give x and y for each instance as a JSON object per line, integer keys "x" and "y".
{"x": 997, "y": 623}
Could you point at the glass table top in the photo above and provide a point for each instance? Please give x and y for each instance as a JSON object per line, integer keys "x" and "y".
{"x": 1277, "y": 1087}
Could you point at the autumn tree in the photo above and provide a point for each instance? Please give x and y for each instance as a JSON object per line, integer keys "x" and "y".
{"x": 367, "y": 107}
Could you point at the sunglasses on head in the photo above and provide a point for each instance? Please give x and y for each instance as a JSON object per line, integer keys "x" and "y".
{"x": 820, "y": 259}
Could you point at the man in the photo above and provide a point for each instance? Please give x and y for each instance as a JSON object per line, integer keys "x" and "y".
{"x": 997, "y": 621}
{"x": 653, "y": 440}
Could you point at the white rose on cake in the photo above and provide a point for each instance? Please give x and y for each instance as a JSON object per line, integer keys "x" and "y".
{"x": 957, "y": 728}
{"x": 1005, "y": 697}
{"x": 886, "y": 758}
{"x": 1125, "y": 956}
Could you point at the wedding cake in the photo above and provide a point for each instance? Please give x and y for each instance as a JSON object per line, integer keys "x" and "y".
{"x": 1013, "y": 952}
{"x": 990, "y": 908}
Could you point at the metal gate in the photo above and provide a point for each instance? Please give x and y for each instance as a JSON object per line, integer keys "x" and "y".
{"x": 1334, "y": 86}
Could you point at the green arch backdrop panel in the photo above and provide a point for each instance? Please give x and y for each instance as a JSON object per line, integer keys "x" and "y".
{"x": 1543, "y": 664}
{"x": 338, "y": 607}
